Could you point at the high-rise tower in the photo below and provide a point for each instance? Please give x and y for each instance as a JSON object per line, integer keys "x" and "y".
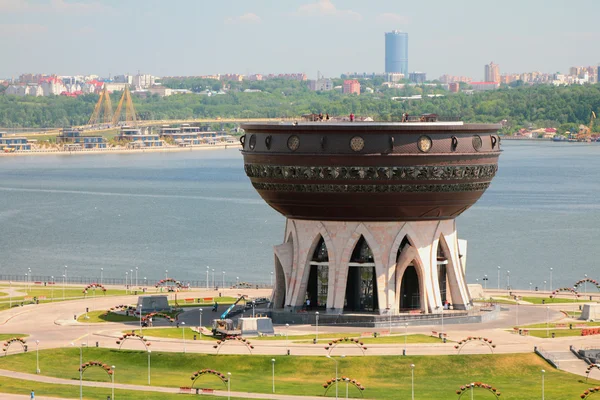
{"x": 492, "y": 73}
{"x": 396, "y": 52}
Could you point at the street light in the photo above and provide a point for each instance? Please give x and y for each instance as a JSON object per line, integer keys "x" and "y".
{"x": 237, "y": 281}
{"x": 547, "y": 321}
{"x": 52, "y": 288}
{"x": 37, "y": 357}
{"x": 336, "y": 372}
{"x": 317, "y": 327}
{"x": 229, "y": 386}
{"x": 207, "y": 271}
{"x": 26, "y": 282}
{"x": 530, "y": 286}
{"x": 544, "y": 286}
{"x": 472, "y": 387}
{"x": 585, "y": 283}
{"x": 101, "y": 275}
{"x": 287, "y": 343}
{"x": 551, "y": 278}
{"x": 126, "y": 279}
{"x": 485, "y": 279}
{"x": 213, "y": 278}
{"x": 113, "y": 382}
{"x": 80, "y": 370}
{"x": 412, "y": 380}
{"x": 64, "y": 278}
{"x": 65, "y": 275}
{"x": 271, "y": 278}
{"x": 347, "y": 380}
{"x": 200, "y": 326}
{"x": 183, "y": 334}
{"x": 507, "y": 280}
{"x": 273, "y": 362}
{"x": 543, "y": 391}
{"x": 166, "y": 274}
{"x": 223, "y": 282}
{"x": 136, "y": 276}
{"x": 498, "y": 277}
{"x": 149, "y": 351}
{"x": 141, "y": 331}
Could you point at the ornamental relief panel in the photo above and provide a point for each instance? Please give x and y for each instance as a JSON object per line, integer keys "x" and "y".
{"x": 325, "y": 188}
{"x": 447, "y": 172}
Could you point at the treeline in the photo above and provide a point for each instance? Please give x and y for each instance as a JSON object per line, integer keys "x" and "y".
{"x": 563, "y": 107}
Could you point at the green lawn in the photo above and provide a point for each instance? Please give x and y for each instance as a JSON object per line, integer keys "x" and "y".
{"x": 517, "y": 376}
{"x": 557, "y": 333}
{"x": 553, "y": 325}
{"x": 6, "y": 336}
{"x": 23, "y": 387}
{"x": 104, "y": 316}
{"x": 171, "y": 333}
{"x": 543, "y": 300}
{"x": 417, "y": 338}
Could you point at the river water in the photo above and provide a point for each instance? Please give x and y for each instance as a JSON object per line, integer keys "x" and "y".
{"x": 184, "y": 211}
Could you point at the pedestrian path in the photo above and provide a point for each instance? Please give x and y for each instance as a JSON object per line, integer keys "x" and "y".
{"x": 159, "y": 389}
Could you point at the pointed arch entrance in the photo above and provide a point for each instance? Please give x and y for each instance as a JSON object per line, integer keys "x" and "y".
{"x": 408, "y": 283}
{"x": 361, "y": 284}
{"x": 318, "y": 278}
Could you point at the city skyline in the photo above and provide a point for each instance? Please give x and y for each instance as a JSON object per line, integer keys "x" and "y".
{"x": 71, "y": 37}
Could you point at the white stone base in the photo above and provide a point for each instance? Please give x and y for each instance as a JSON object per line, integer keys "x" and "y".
{"x": 293, "y": 257}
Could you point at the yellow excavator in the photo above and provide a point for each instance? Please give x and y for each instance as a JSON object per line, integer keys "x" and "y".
{"x": 585, "y": 132}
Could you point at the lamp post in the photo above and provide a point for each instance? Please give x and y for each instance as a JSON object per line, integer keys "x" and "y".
{"x": 223, "y": 282}
{"x": 113, "y": 382}
{"x": 27, "y": 283}
{"x": 498, "y": 277}
{"x": 229, "y": 386}
{"x": 200, "y": 326}
{"x": 149, "y": 351}
{"x": 347, "y": 380}
{"x": 253, "y": 307}
{"x": 412, "y": 381}
{"x": 405, "y": 335}
{"x": 237, "y": 281}
{"x": 271, "y": 278}
{"x": 126, "y": 280}
{"x": 64, "y": 278}
{"x": 544, "y": 286}
{"x": 317, "y": 327}
{"x": 273, "y": 363}
{"x": 131, "y": 281}
{"x": 207, "y": 271}
{"x": 183, "y": 334}
{"x": 52, "y": 288}
{"x": 80, "y": 370}
{"x": 101, "y": 275}
{"x": 136, "y": 276}
{"x": 551, "y": 278}
{"x": 166, "y": 274}
{"x": 507, "y": 280}
{"x": 336, "y": 372}
{"x": 530, "y": 286}
{"x": 485, "y": 279}
{"x": 37, "y": 357}
{"x": 213, "y": 278}
{"x": 547, "y": 321}
{"x": 517, "y": 314}
{"x": 585, "y": 283}
{"x": 472, "y": 386}
{"x": 287, "y": 343}
{"x": 141, "y": 331}
{"x": 543, "y": 389}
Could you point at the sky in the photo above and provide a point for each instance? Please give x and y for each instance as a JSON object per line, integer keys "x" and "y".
{"x": 201, "y": 37}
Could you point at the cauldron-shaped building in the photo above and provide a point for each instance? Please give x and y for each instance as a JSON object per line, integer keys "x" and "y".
{"x": 370, "y": 210}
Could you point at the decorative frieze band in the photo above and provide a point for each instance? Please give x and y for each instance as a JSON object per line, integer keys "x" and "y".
{"x": 325, "y": 188}
{"x": 424, "y": 172}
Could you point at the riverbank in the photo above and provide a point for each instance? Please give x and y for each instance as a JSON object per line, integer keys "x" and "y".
{"x": 162, "y": 149}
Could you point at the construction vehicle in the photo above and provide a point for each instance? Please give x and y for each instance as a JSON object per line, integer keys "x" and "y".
{"x": 585, "y": 132}
{"x": 224, "y": 327}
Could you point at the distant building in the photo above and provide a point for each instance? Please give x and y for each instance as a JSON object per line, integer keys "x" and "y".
{"x": 13, "y": 143}
{"x": 71, "y": 139}
{"x": 395, "y": 77}
{"x": 483, "y": 86}
{"x": 142, "y": 81}
{"x": 320, "y": 85}
{"x": 451, "y": 78}
{"x": 162, "y": 91}
{"x": 351, "y": 86}
{"x": 396, "y": 52}
{"x": 417, "y": 77}
{"x": 454, "y": 87}
{"x": 492, "y": 73}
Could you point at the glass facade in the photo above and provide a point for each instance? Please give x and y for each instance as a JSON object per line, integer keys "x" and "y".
{"x": 396, "y": 52}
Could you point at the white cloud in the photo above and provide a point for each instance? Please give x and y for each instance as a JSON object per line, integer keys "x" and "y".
{"x": 392, "y": 18}
{"x": 249, "y": 18}
{"x": 326, "y": 8}
{"x": 53, "y": 6}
